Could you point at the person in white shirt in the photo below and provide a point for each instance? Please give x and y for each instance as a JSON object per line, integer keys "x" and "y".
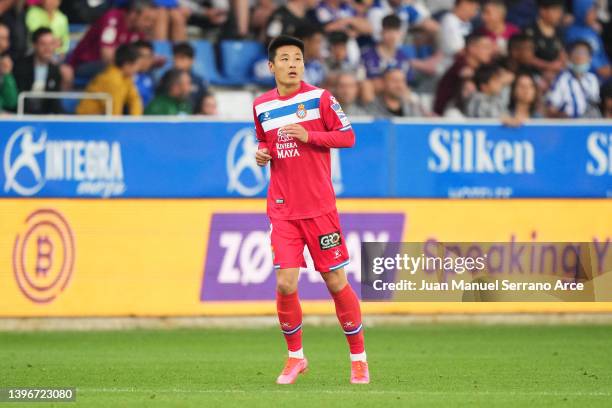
{"x": 454, "y": 27}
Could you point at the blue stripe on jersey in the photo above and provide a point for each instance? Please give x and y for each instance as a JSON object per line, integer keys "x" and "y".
{"x": 289, "y": 109}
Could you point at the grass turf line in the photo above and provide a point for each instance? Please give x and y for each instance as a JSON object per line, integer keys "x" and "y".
{"x": 420, "y": 365}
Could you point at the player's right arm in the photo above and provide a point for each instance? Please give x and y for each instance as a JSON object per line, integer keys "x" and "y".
{"x": 262, "y": 156}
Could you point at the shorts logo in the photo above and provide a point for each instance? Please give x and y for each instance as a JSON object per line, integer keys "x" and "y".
{"x": 329, "y": 241}
{"x": 44, "y": 255}
{"x": 301, "y": 111}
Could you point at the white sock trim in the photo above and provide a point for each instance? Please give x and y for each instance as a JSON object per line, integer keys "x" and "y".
{"x": 297, "y": 354}
{"x": 359, "y": 357}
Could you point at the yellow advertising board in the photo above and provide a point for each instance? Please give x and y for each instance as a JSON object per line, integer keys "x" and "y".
{"x": 61, "y": 257}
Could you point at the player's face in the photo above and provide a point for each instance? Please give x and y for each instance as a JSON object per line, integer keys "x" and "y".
{"x": 288, "y": 65}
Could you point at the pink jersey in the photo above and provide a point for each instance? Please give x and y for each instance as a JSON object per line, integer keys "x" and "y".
{"x": 301, "y": 185}
{"x": 110, "y": 30}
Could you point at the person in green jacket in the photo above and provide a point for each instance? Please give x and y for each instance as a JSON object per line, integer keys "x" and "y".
{"x": 173, "y": 95}
{"x": 8, "y": 86}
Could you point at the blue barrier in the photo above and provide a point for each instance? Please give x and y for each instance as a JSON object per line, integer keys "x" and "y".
{"x": 189, "y": 158}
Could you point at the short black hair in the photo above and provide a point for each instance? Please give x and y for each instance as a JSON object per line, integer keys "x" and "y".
{"x": 550, "y": 3}
{"x": 518, "y": 39}
{"x": 184, "y": 49}
{"x": 126, "y": 54}
{"x": 306, "y": 31}
{"x": 138, "y": 5}
{"x": 499, "y": 3}
{"x": 571, "y": 46}
{"x": 281, "y": 41}
{"x": 143, "y": 44}
{"x": 39, "y": 33}
{"x": 484, "y": 74}
{"x": 169, "y": 79}
{"x": 337, "y": 37}
{"x": 391, "y": 22}
{"x": 473, "y": 37}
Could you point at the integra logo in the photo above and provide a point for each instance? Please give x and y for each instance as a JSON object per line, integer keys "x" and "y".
{"x": 30, "y": 161}
{"x": 466, "y": 151}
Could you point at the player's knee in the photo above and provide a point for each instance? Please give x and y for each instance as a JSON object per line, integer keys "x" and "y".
{"x": 335, "y": 280}
{"x": 286, "y": 286}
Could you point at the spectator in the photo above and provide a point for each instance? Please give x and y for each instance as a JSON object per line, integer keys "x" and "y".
{"x": 575, "y": 92}
{"x": 173, "y": 95}
{"x": 145, "y": 84}
{"x": 411, "y": 14}
{"x": 386, "y": 53}
{"x": 339, "y": 15}
{"x": 38, "y": 72}
{"x": 487, "y": 101}
{"x": 171, "y": 22}
{"x": 521, "y": 54}
{"x": 524, "y": 100}
{"x": 183, "y": 54}
{"x": 338, "y": 55}
{"x": 117, "y": 80}
{"x": 12, "y": 14}
{"x": 209, "y": 105}
{"x": 495, "y": 26}
{"x": 396, "y": 98}
{"x": 606, "y": 100}
{"x": 347, "y": 91}
{"x": 204, "y": 15}
{"x": 288, "y": 19}
{"x": 449, "y": 94}
{"x": 49, "y": 15}
{"x": 314, "y": 68}
{"x": 584, "y": 28}
{"x": 521, "y": 13}
{"x": 546, "y": 35}
{"x": 8, "y": 87}
{"x": 454, "y": 27}
{"x": 116, "y": 27}
{"x": 260, "y": 15}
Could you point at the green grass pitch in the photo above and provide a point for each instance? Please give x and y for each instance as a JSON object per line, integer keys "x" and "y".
{"x": 416, "y": 366}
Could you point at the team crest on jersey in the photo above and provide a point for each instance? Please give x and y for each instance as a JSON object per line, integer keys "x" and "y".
{"x": 335, "y": 105}
{"x": 301, "y": 111}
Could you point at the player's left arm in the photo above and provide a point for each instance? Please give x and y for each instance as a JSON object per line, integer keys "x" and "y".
{"x": 338, "y": 133}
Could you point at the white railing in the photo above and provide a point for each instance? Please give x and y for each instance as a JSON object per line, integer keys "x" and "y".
{"x": 108, "y": 100}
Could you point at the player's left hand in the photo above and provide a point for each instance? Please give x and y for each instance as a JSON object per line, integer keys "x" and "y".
{"x": 297, "y": 132}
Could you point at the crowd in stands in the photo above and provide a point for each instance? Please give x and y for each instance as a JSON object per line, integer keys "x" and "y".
{"x": 504, "y": 59}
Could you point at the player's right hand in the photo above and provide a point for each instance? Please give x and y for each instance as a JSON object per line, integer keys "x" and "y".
{"x": 262, "y": 157}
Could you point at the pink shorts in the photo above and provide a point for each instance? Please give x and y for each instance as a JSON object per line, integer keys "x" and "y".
{"x": 322, "y": 235}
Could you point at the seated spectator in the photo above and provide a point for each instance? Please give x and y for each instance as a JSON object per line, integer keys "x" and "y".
{"x": 387, "y": 53}
{"x": 495, "y": 26}
{"x": 170, "y": 19}
{"x": 209, "y": 105}
{"x": 204, "y": 15}
{"x": 606, "y": 100}
{"x": 116, "y": 27}
{"x": 524, "y": 100}
{"x": 347, "y": 92}
{"x": 338, "y": 55}
{"x": 396, "y": 98}
{"x": 546, "y": 35}
{"x": 144, "y": 78}
{"x": 8, "y": 87}
{"x": 584, "y": 28}
{"x": 314, "y": 68}
{"x": 38, "y": 72}
{"x": 575, "y": 92}
{"x": 521, "y": 54}
{"x": 449, "y": 94}
{"x": 287, "y": 19}
{"x": 487, "y": 101}
{"x": 454, "y": 27}
{"x": 183, "y": 55}
{"x": 411, "y": 14}
{"x": 49, "y": 15}
{"x": 117, "y": 80}
{"x": 12, "y": 14}
{"x": 260, "y": 14}
{"x": 173, "y": 94}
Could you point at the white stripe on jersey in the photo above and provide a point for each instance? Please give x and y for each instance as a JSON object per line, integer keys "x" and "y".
{"x": 311, "y": 114}
{"x": 277, "y": 103}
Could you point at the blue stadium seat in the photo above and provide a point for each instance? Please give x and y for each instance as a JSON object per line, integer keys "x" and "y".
{"x": 77, "y": 28}
{"x": 69, "y": 105}
{"x": 238, "y": 58}
{"x": 205, "y": 64}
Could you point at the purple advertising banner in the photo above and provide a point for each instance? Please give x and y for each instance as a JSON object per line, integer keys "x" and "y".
{"x": 238, "y": 264}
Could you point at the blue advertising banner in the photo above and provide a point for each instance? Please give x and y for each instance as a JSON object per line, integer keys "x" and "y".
{"x": 185, "y": 159}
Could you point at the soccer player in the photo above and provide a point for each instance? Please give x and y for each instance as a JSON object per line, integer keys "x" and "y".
{"x": 296, "y": 125}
